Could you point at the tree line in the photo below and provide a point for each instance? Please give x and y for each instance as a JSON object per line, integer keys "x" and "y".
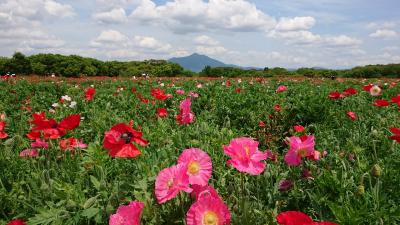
{"x": 76, "y": 66}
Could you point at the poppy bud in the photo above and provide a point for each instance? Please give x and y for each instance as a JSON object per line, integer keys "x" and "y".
{"x": 376, "y": 171}
{"x": 360, "y": 189}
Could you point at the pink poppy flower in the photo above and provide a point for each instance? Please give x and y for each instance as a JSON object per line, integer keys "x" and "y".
{"x": 352, "y": 115}
{"x": 199, "y": 165}
{"x": 29, "y": 153}
{"x": 245, "y": 155}
{"x": 185, "y": 116}
{"x": 285, "y": 185}
{"x": 127, "y": 214}
{"x": 261, "y": 124}
{"x": 70, "y": 144}
{"x": 375, "y": 90}
{"x": 39, "y": 143}
{"x": 203, "y": 191}
{"x": 210, "y": 211}
{"x": 281, "y": 88}
{"x": 193, "y": 94}
{"x": 170, "y": 181}
{"x": 277, "y": 108}
{"x": 299, "y": 149}
{"x": 180, "y": 92}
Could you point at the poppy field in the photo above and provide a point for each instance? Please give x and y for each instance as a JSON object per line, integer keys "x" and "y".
{"x": 200, "y": 152}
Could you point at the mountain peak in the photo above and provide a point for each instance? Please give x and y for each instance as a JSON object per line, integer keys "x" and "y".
{"x": 196, "y": 62}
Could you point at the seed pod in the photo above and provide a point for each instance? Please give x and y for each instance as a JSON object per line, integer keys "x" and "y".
{"x": 360, "y": 189}
{"x": 376, "y": 171}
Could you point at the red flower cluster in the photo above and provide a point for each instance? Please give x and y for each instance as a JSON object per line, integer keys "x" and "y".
{"x": 118, "y": 141}
{"x": 345, "y": 93}
{"x": 50, "y": 128}
{"x": 396, "y": 134}
{"x": 159, "y": 94}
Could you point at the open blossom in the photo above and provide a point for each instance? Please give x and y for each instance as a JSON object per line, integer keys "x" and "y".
{"x": 375, "y": 90}
{"x": 29, "y": 153}
{"x": 3, "y": 134}
{"x": 208, "y": 211}
{"x": 89, "y": 93}
{"x": 127, "y": 214}
{"x": 200, "y": 191}
{"x": 281, "y": 88}
{"x": 381, "y": 103}
{"x": 170, "y": 181}
{"x": 180, "y": 92}
{"x": 39, "y": 143}
{"x": 193, "y": 94}
{"x": 185, "y": 116}
{"x": 277, "y": 108}
{"x": 350, "y": 91}
{"x": 396, "y": 134}
{"x": 298, "y": 128}
{"x": 299, "y": 148}
{"x": 298, "y": 218}
{"x": 16, "y": 222}
{"x": 199, "y": 165}
{"x": 162, "y": 112}
{"x": 352, "y": 115}
{"x": 335, "y": 95}
{"x": 70, "y": 144}
{"x": 118, "y": 141}
{"x": 159, "y": 94}
{"x": 245, "y": 155}
{"x": 50, "y": 128}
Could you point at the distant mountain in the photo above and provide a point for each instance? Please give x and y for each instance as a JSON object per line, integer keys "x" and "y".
{"x": 197, "y": 62}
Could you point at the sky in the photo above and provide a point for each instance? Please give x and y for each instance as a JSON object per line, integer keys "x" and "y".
{"x": 262, "y": 33}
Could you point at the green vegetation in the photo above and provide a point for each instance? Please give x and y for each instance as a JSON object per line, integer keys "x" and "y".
{"x": 76, "y": 66}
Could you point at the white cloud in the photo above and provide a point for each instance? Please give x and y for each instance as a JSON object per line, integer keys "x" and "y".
{"x": 57, "y": 9}
{"x": 211, "y": 50}
{"x": 116, "y": 15}
{"x": 184, "y": 16}
{"x": 150, "y": 43}
{"x": 382, "y": 25}
{"x": 296, "y": 23}
{"x": 342, "y": 40}
{"x": 384, "y": 33}
{"x": 205, "y": 40}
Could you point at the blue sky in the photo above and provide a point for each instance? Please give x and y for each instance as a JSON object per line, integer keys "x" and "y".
{"x": 285, "y": 33}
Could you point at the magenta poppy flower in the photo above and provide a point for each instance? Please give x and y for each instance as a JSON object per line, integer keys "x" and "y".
{"x": 299, "y": 148}
{"x": 127, "y": 214}
{"x": 39, "y": 143}
{"x": 29, "y": 153}
{"x": 281, "y": 88}
{"x": 352, "y": 115}
{"x": 245, "y": 155}
{"x": 185, "y": 116}
{"x": 170, "y": 181}
{"x": 203, "y": 191}
{"x": 210, "y": 211}
{"x": 199, "y": 165}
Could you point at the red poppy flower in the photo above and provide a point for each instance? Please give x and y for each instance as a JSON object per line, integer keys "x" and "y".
{"x": 396, "y": 134}
{"x": 143, "y": 99}
{"x": 368, "y": 87}
{"x": 228, "y": 83}
{"x": 16, "y": 222}
{"x": 277, "y": 108}
{"x": 162, "y": 112}
{"x": 3, "y": 134}
{"x": 352, "y": 115}
{"x": 298, "y": 128}
{"x": 396, "y": 99}
{"x": 89, "y": 93}
{"x": 159, "y": 94}
{"x": 118, "y": 141}
{"x": 298, "y": 218}
{"x": 350, "y": 91}
{"x": 335, "y": 95}
{"x": 238, "y": 90}
{"x": 50, "y": 128}
{"x": 261, "y": 124}
{"x": 381, "y": 103}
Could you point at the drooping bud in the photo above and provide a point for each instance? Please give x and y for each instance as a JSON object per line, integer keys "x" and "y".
{"x": 360, "y": 189}
{"x": 376, "y": 171}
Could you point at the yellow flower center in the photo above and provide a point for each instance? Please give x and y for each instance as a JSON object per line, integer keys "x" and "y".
{"x": 193, "y": 167}
{"x": 210, "y": 218}
{"x": 170, "y": 183}
{"x": 302, "y": 152}
{"x": 247, "y": 149}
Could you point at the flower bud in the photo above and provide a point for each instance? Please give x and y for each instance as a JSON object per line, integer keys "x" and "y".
{"x": 376, "y": 171}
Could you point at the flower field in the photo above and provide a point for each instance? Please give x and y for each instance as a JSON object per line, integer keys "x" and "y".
{"x": 208, "y": 152}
